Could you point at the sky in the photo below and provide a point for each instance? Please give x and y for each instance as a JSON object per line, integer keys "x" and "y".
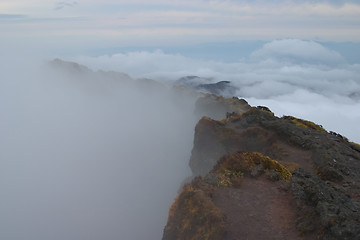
{"x": 298, "y": 58}
{"x": 88, "y": 24}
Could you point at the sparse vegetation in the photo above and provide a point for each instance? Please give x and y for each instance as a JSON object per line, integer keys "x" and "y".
{"x": 231, "y": 168}
{"x": 193, "y": 215}
{"x": 321, "y": 171}
{"x": 228, "y": 178}
{"x": 304, "y": 123}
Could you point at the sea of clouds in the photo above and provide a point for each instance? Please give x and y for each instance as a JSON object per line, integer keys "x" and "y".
{"x": 290, "y": 76}
{"x": 83, "y": 157}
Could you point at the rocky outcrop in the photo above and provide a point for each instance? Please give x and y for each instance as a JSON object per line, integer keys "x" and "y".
{"x": 223, "y": 87}
{"x": 313, "y": 176}
{"x": 322, "y": 208}
{"x": 207, "y": 85}
{"x": 218, "y": 107}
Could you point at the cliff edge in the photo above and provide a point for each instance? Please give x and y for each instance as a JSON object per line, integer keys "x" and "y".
{"x": 259, "y": 176}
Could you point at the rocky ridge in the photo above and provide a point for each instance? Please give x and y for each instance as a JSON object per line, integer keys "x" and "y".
{"x": 258, "y": 176}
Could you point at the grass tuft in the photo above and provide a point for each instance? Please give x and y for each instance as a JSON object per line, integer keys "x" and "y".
{"x": 193, "y": 215}
{"x": 231, "y": 168}
{"x": 304, "y": 123}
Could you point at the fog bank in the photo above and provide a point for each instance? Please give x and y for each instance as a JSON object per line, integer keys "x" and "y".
{"x": 88, "y": 156}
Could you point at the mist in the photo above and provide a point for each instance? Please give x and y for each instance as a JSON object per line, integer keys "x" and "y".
{"x": 88, "y": 155}
{"x": 290, "y": 76}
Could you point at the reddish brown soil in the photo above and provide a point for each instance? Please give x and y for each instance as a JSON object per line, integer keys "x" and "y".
{"x": 259, "y": 210}
{"x": 297, "y": 155}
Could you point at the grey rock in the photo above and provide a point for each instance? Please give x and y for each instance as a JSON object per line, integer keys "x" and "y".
{"x": 337, "y": 214}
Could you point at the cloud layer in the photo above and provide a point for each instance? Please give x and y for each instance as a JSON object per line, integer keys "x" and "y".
{"x": 295, "y": 51}
{"x": 301, "y": 78}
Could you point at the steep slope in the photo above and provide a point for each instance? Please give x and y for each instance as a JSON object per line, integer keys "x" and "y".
{"x": 294, "y": 180}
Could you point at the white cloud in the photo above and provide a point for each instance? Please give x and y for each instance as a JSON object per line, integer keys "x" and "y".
{"x": 298, "y": 51}
{"x": 334, "y": 114}
{"x": 303, "y": 73}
